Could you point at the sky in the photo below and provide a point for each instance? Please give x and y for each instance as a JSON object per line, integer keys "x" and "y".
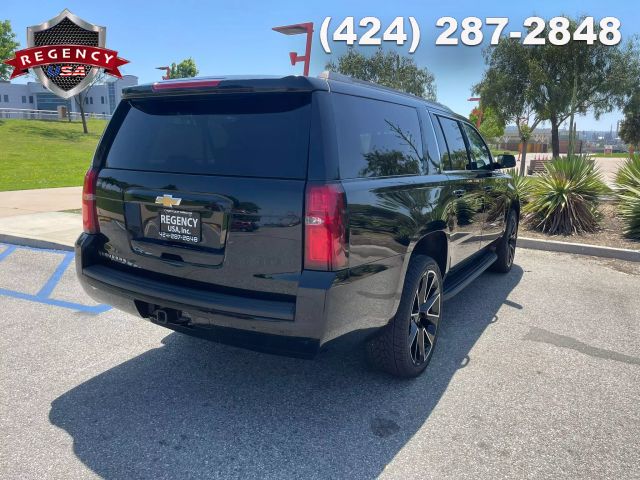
{"x": 235, "y": 38}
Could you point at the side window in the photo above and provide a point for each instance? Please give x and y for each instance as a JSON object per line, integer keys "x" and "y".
{"x": 432, "y": 163}
{"x": 455, "y": 141}
{"x": 442, "y": 144}
{"x": 477, "y": 148}
{"x": 375, "y": 138}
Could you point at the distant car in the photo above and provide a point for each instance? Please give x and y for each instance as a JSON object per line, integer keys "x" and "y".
{"x": 367, "y": 208}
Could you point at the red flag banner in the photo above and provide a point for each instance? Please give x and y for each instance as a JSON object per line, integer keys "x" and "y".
{"x": 82, "y": 54}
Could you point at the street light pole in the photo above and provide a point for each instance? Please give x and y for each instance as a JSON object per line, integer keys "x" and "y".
{"x": 479, "y": 110}
{"x": 297, "y": 29}
{"x": 167, "y": 70}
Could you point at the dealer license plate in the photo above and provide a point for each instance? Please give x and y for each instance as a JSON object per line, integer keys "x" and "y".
{"x": 180, "y": 226}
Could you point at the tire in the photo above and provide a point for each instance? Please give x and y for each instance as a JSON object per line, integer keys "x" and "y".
{"x": 506, "y": 249}
{"x": 405, "y": 346}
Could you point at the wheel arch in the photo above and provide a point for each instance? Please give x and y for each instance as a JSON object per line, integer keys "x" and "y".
{"x": 435, "y": 245}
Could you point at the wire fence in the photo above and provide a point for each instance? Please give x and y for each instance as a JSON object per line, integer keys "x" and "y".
{"x": 32, "y": 114}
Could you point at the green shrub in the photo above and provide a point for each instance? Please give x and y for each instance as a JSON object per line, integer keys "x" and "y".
{"x": 628, "y": 194}
{"x": 564, "y": 199}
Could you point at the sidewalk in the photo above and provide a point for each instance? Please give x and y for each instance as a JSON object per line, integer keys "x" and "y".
{"x": 41, "y": 216}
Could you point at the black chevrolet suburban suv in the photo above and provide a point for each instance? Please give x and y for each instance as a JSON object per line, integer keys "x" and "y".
{"x": 281, "y": 213}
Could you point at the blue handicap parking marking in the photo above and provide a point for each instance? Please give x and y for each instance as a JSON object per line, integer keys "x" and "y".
{"x": 57, "y": 303}
{"x": 44, "y": 294}
{"x": 48, "y": 287}
{"x": 7, "y": 251}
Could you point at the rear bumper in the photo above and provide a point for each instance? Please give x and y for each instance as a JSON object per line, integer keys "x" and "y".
{"x": 327, "y": 305}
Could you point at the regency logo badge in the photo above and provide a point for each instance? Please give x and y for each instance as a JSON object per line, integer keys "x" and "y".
{"x": 66, "y": 53}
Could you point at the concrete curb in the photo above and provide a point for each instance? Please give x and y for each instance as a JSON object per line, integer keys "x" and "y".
{"x": 34, "y": 243}
{"x": 580, "y": 249}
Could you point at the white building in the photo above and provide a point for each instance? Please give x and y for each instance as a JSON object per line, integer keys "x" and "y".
{"x": 102, "y": 98}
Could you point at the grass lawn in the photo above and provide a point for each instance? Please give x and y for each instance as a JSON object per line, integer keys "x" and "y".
{"x": 44, "y": 154}
{"x": 502, "y": 152}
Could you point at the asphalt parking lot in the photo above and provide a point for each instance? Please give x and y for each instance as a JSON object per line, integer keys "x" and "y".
{"x": 536, "y": 375}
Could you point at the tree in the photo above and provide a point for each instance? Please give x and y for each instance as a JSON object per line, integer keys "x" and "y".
{"x": 561, "y": 80}
{"x": 389, "y": 69}
{"x": 630, "y": 126}
{"x": 508, "y": 89}
{"x": 80, "y": 100}
{"x": 185, "y": 69}
{"x": 577, "y": 78}
{"x": 8, "y": 45}
{"x": 491, "y": 124}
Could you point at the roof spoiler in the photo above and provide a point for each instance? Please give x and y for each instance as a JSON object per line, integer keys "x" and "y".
{"x": 215, "y": 85}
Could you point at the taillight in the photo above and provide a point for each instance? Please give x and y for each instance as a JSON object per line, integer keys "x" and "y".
{"x": 325, "y": 246}
{"x": 89, "y": 209}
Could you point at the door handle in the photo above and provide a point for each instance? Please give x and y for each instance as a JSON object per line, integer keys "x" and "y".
{"x": 459, "y": 193}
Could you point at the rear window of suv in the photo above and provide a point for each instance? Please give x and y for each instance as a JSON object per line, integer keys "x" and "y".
{"x": 256, "y": 135}
{"x": 376, "y": 138}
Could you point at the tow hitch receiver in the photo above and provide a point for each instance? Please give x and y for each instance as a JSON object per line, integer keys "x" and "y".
{"x": 164, "y": 316}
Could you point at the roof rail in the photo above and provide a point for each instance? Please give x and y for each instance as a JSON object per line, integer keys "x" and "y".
{"x": 339, "y": 77}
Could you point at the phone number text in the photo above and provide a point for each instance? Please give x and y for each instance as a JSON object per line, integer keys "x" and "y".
{"x": 470, "y": 31}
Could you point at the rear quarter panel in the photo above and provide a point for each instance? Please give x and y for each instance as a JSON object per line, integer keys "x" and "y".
{"x": 387, "y": 217}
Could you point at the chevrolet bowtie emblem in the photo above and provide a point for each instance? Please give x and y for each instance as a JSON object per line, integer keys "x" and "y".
{"x": 168, "y": 200}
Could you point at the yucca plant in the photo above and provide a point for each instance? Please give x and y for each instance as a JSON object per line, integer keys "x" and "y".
{"x": 628, "y": 194}
{"x": 564, "y": 199}
{"x": 629, "y": 174}
{"x": 522, "y": 185}
{"x": 629, "y": 209}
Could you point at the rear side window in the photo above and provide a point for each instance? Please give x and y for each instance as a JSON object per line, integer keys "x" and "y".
{"x": 375, "y": 138}
{"x": 256, "y": 135}
{"x": 455, "y": 143}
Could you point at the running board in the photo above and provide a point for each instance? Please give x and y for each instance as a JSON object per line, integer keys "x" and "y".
{"x": 455, "y": 283}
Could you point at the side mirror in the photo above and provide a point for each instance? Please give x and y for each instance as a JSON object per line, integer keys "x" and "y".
{"x": 505, "y": 161}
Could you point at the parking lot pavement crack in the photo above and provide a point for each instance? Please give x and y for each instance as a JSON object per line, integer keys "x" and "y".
{"x": 541, "y": 335}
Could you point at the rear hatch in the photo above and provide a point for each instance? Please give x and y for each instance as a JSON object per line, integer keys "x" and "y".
{"x": 207, "y": 189}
